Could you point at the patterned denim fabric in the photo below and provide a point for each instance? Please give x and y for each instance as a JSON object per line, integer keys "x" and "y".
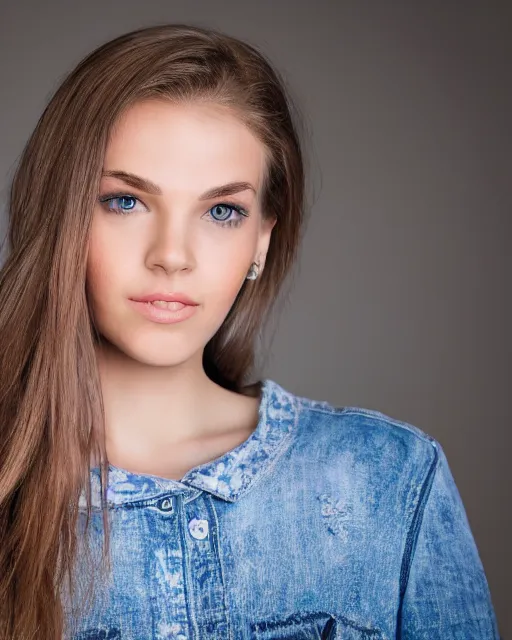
{"x": 327, "y": 522}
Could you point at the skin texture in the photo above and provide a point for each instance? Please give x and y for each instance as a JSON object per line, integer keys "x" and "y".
{"x": 163, "y": 415}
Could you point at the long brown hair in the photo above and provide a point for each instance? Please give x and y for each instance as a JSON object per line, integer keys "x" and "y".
{"x": 51, "y": 411}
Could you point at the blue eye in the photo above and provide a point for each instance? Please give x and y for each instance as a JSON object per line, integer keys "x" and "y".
{"x": 222, "y": 214}
{"x": 127, "y": 203}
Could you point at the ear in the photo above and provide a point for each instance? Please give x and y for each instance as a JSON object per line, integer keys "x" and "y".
{"x": 264, "y": 236}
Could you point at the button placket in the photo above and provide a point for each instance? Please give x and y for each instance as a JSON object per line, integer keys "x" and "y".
{"x": 203, "y": 569}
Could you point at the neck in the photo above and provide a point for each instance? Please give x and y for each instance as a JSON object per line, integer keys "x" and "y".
{"x": 158, "y": 403}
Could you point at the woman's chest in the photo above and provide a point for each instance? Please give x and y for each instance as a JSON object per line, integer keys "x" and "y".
{"x": 290, "y": 565}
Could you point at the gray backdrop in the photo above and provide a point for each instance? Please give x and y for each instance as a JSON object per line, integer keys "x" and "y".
{"x": 401, "y": 301}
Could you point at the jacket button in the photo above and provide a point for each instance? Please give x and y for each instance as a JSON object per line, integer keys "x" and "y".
{"x": 165, "y": 504}
{"x": 198, "y": 528}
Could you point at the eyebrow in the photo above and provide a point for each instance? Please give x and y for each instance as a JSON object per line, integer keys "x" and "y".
{"x": 150, "y": 187}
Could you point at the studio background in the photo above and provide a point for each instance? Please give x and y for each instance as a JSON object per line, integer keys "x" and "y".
{"x": 401, "y": 299}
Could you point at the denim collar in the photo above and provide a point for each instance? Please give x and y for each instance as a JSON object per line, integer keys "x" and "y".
{"x": 229, "y": 476}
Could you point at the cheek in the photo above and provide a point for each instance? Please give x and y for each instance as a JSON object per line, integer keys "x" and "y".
{"x": 101, "y": 270}
{"x": 225, "y": 268}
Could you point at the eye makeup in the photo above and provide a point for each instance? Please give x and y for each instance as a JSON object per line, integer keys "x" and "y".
{"x": 224, "y": 221}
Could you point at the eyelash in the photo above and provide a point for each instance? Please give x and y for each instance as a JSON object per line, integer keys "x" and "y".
{"x": 105, "y": 199}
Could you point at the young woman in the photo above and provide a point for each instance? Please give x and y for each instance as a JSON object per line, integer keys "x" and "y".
{"x": 146, "y": 490}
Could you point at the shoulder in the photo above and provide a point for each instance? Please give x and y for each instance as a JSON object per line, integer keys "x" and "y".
{"x": 363, "y": 436}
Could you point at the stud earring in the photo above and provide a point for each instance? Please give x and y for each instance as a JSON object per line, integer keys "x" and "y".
{"x": 253, "y": 271}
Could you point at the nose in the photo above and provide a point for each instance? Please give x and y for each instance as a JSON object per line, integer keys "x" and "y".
{"x": 172, "y": 245}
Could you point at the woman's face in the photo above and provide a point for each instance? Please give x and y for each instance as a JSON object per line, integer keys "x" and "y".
{"x": 174, "y": 237}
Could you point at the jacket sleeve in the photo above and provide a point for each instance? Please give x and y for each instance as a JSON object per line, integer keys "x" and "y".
{"x": 445, "y": 594}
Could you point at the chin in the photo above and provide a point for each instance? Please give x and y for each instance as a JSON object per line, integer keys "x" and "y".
{"x": 161, "y": 359}
{"x": 155, "y": 350}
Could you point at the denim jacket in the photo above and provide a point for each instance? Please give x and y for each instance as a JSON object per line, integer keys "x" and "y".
{"x": 338, "y": 523}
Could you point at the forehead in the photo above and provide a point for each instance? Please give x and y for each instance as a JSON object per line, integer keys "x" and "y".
{"x": 185, "y": 147}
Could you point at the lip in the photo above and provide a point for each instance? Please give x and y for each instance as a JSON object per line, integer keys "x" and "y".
{"x": 167, "y": 297}
{"x": 164, "y": 316}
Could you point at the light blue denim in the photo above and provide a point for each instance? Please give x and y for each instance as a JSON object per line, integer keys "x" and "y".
{"x": 325, "y": 523}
